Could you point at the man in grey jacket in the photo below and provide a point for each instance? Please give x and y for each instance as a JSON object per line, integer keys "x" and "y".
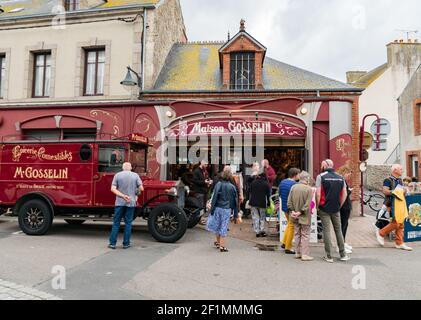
{"x": 299, "y": 201}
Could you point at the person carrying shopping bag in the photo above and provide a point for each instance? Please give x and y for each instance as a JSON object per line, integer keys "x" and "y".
{"x": 224, "y": 200}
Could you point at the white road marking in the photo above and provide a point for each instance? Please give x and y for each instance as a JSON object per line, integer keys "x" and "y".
{"x": 17, "y": 232}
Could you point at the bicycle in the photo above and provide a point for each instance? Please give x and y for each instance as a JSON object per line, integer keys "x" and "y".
{"x": 373, "y": 200}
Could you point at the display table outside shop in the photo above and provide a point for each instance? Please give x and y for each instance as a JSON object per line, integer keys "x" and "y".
{"x": 413, "y": 222}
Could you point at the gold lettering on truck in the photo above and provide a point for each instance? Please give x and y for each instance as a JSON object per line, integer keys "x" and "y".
{"x": 50, "y": 174}
{"x": 33, "y": 153}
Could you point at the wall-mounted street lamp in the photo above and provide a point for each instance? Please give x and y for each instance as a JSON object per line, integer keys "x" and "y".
{"x": 304, "y": 111}
{"x": 130, "y": 80}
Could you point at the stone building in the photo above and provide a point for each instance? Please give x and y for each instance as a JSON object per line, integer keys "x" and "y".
{"x": 383, "y": 86}
{"x": 410, "y": 126}
{"x": 77, "y": 51}
{"x": 212, "y": 90}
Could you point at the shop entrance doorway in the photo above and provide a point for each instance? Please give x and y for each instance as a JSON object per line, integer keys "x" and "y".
{"x": 282, "y": 155}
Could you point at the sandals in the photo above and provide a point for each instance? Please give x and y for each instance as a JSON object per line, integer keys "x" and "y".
{"x": 223, "y": 249}
{"x": 216, "y": 244}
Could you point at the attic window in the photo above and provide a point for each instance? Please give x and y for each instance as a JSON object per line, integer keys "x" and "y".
{"x": 72, "y": 5}
{"x": 242, "y": 71}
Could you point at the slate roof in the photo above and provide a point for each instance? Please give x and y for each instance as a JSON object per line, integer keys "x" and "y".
{"x": 41, "y": 7}
{"x": 367, "y": 79}
{"x": 195, "y": 67}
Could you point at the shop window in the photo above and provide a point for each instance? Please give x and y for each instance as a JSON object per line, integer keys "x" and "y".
{"x": 41, "y": 135}
{"x": 94, "y": 72}
{"x": 59, "y": 134}
{"x": 79, "y": 134}
{"x": 2, "y": 74}
{"x": 42, "y": 75}
{"x": 242, "y": 71}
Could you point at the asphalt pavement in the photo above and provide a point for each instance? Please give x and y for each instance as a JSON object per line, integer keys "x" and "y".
{"x": 193, "y": 269}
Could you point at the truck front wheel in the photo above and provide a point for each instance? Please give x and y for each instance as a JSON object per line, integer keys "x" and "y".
{"x": 167, "y": 223}
{"x": 35, "y": 217}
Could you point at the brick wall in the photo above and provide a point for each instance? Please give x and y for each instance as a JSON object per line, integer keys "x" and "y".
{"x": 356, "y": 177}
{"x": 243, "y": 43}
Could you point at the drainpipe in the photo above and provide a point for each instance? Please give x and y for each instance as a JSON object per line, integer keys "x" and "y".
{"x": 143, "y": 52}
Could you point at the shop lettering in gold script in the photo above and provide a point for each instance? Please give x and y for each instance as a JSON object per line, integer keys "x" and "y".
{"x": 40, "y": 153}
{"x": 32, "y": 173}
{"x": 341, "y": 146}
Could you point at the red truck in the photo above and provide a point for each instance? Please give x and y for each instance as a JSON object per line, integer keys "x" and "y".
{"x": 41, "y": 180}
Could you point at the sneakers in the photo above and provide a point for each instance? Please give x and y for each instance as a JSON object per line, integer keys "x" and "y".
{"x": 380, "y": 239}
{"x": 298, "y": 256}
{"x": 404, "y": 247}
{"x": 345, "y": 258}
{"x": 306, "y": 258}
{"x": 328, "y": 259}
{"x": 127, "y": 247}
{"x": 348, "y": 251}
{"x": 347, "y": 246}
{"x": 111, "y": 246}
{"x": 289, "y": 252}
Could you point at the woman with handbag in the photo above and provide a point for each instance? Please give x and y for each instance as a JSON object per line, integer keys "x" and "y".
{"x": 224, "y": 199}
{"x": 260, "y": 192}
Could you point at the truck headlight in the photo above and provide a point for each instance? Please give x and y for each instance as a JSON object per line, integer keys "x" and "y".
{"x": 172, "y": 191}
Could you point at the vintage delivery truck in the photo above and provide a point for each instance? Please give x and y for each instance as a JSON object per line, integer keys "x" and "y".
{"x": 43, "y": 180}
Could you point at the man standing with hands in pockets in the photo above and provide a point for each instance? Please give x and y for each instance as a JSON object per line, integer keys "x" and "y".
{"x": 126, "y": 185}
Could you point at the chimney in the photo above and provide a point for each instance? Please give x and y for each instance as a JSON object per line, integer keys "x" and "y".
{"x": 404, "y": 54}
{"x": 354, "y": 76}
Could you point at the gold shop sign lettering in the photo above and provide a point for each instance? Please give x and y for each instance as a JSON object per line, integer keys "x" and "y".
{"x": 34, "y": 153}
{"x": 32, "y": 173}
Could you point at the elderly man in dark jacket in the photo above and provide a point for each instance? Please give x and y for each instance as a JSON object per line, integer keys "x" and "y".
{"x": 201, "y": 184}
{"x": 260, "y": 192}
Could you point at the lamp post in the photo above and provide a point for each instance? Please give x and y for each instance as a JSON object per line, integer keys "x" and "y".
{"x": 362, "y": 130}
{"x": 130, "y": 81}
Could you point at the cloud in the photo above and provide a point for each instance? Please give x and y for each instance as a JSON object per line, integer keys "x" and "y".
{"x": 329, "y": 37}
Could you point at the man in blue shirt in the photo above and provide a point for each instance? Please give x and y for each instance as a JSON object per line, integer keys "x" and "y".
{"x": 284, "y": 190}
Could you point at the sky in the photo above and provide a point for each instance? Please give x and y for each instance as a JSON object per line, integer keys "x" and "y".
{"x": 329, "y": 37}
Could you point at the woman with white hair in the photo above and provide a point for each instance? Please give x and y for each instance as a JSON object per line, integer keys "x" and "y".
{"x": 299, "y": 201}
{"x": 224, "y": 199}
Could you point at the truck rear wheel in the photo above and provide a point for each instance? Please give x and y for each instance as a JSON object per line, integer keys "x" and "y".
{"x": 167, "y": 223}
{"x": 74, "y": 222}
{"x": 35, "y": 217}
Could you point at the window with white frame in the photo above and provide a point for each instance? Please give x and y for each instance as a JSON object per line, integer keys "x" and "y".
{"x": 94, "y": 72}
{"x": 42, "y": 75}
{"x": 2, "y": 74}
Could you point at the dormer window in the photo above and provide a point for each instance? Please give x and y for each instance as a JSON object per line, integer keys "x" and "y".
{"x": 242, "y": 71}
{"x": 71, "y": 5}
{"x": 241, "y": 60}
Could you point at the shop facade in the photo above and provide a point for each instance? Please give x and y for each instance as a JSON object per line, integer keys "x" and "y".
{"x": 227, "y": 99}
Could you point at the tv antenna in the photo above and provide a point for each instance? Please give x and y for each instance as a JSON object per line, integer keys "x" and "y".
{"x": 408, "y": 32}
